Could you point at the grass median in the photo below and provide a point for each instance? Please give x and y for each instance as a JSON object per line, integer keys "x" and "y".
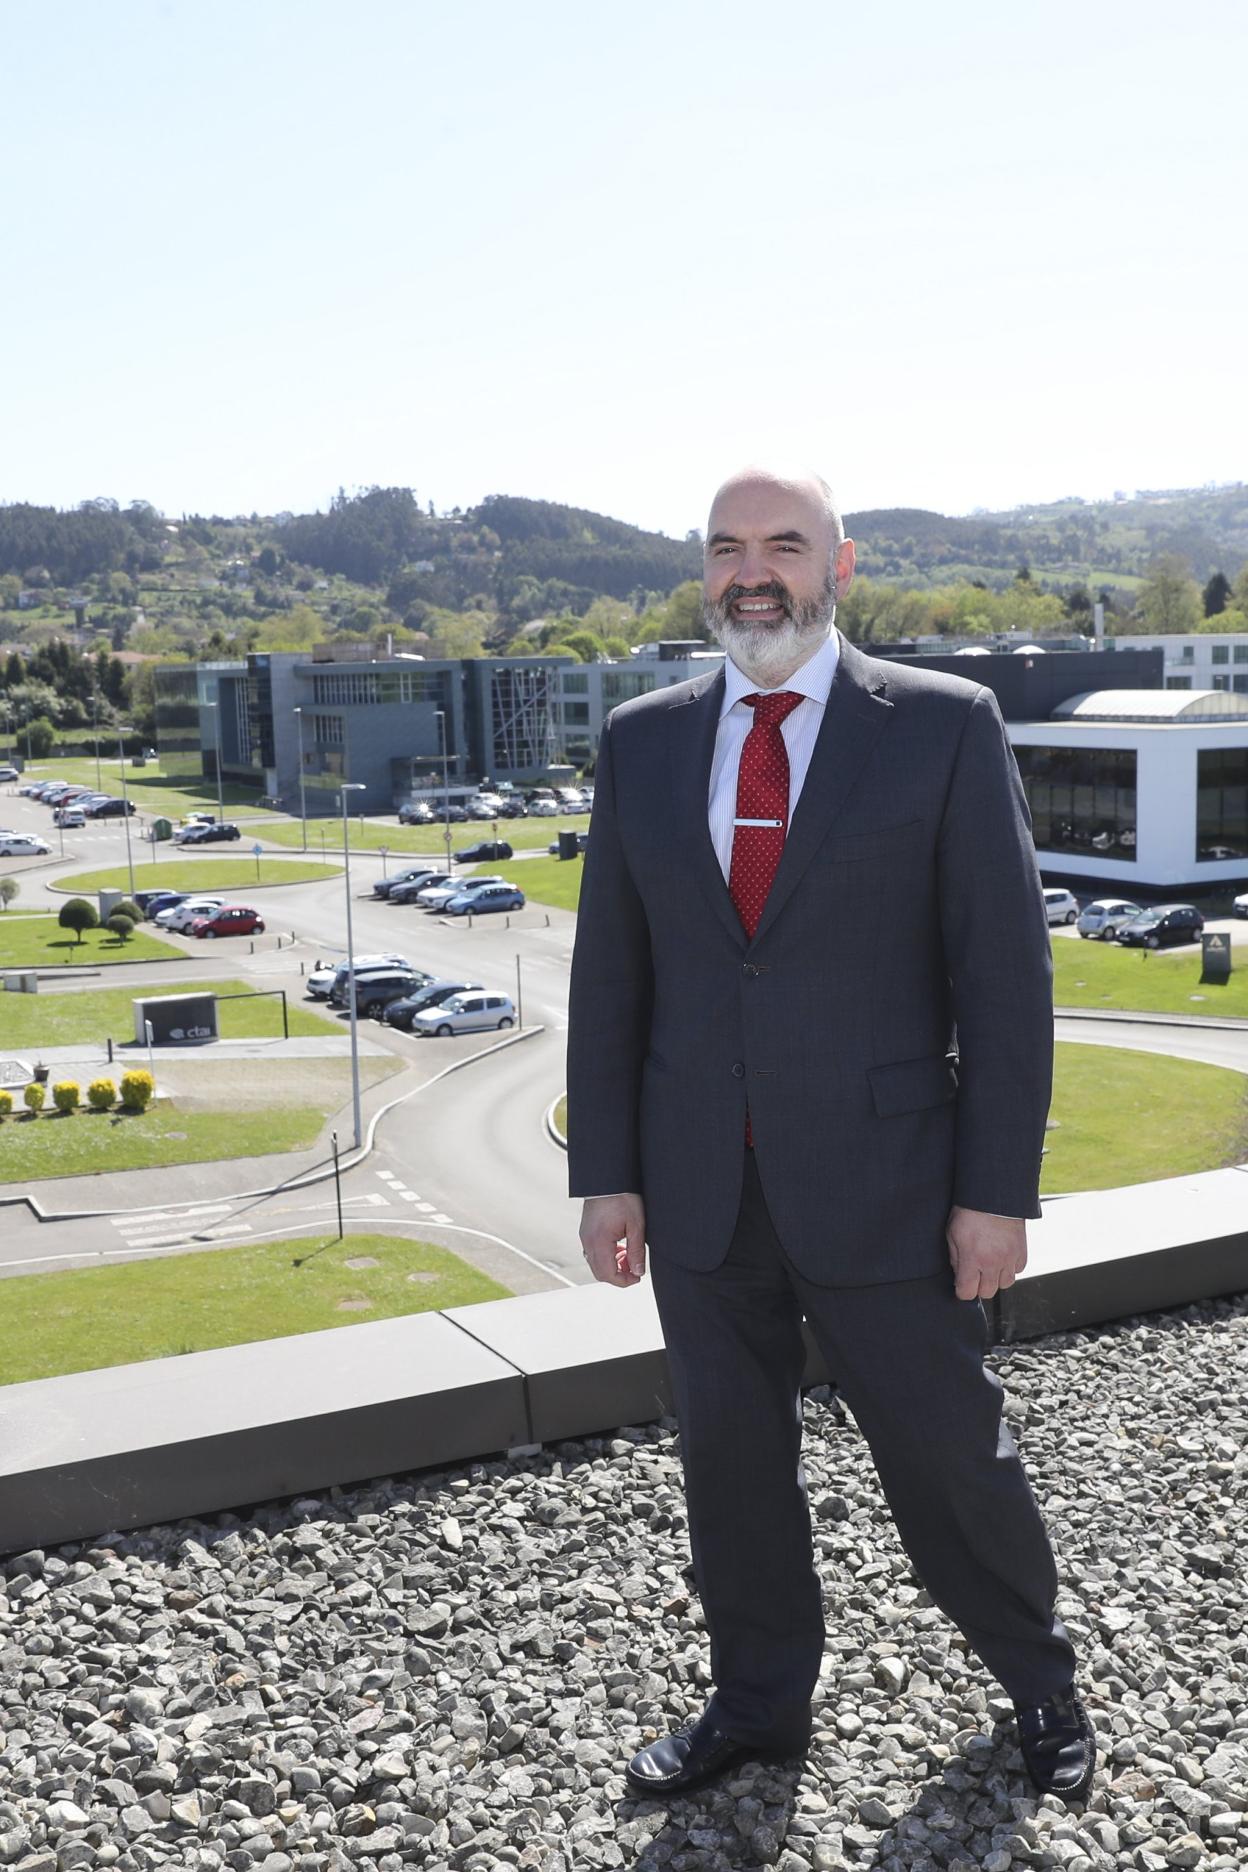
{"x": 238, "y": 875}
{"x": 169, "y": 796}
{"x": 39, "y": 942}
{"x": 101, "y": 1014}
{"x": 215, "y": 1111}
{"x": 424, "y": 840}
{"x": 1162, "y": 981}
{"x": 89, "y": 1318}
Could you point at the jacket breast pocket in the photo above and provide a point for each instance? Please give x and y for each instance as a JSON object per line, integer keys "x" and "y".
{"x": 911, "y": 1085}
{"x": 880, "y": 842}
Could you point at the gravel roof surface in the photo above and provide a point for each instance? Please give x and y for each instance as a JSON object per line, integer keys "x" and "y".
{"x": 449, "y": 1669}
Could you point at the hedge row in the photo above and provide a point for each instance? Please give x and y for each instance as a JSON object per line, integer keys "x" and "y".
{"x": 137, "y": 1088}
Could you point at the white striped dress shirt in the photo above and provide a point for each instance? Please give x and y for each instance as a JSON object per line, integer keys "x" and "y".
{"x": 813, "y": 681}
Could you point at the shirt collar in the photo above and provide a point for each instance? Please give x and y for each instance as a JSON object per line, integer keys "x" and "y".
{"x": 813, "y": 679}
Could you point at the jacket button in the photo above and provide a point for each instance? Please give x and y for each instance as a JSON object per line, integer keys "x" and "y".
{"x": 749, "y": 968}
{"x": 738, "y": 1070}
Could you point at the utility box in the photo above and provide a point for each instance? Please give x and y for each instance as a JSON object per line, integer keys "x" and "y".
{"x": 109, "y": 900}
{"x": 568, "y": 847}
{"x": 161, "y": 829}
{"x": 1215, "y": 956}
{"x": 177, "y": 1020}
{"x": 22, "y": 981}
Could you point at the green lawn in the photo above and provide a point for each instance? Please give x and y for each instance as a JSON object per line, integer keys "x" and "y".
{"x": 87, "y": 1142}
{"x": 1128, "y": 1117}
{"x": 1105, "y": 975}
{"x": 88, "y": 1318}
{"x": 170, "y": 796}
{"x": 553, "y": 881}
{"x": 64, "y": 1019}
{"x": 561, "y": 1116}
{"x": 40, "y": 942}
{"x": 326, "y": 834}
{"x": 199, "y": 874}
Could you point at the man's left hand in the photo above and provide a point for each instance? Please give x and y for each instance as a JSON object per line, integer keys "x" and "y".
{"x": 987, "y": 1251}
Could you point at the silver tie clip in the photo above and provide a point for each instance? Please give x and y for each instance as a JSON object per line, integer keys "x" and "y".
{"x": 759, "y": 822}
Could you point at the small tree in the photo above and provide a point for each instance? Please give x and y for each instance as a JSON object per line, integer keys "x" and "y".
{"x": 1216, "y": 595}
{"x": 121, "y": 926}
{"x": 40, "y": 737}
{"x": 33, "y": 1097}
{"x": 128, "y": 908}
{"x": 78, "y": 915}
{"x": 9, "y": 888}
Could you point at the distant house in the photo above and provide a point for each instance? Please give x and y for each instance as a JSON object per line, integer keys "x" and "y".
{"x": 27, "y": 600}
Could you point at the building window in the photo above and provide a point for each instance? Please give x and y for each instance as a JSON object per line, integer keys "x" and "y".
{"x": 576, "y": 714}
{"x": 575, "y": 682}
{"x": 1221, "y": 653}
{"x": 1221, "y": 682}
{"x": 1221, "y": 803}
{"x": 1241, "y": 653}
{"x": 1082, "y": 799}
{"x": 327, "y": 730}
{"x": 619, "y": 685}
{"x": 1240, "y": 684}
{"x": 1178, "y": 682}
{"x": 1188, "y": 654}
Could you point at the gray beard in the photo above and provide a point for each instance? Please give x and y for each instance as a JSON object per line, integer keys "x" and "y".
{"x": 769, "y": 653}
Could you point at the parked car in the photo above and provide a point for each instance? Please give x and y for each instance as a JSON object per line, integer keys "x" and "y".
{"x": 466, "y": 1013}
{"x": 10, "y": 773}
{"x": 417, "y": 812}
{"x": 489, "y": 897}
{"x": 205, "y": 834}
{"x": 111, "y": 808}
{"x": 365, "y": 966}
{"x": 201, "y": 818}
{"x": 1061, "y": 906}
{"x": 377, "y": 988}
{"x": 150, "y": 902}
{"x": 69, "y": 816}
{"x": 1105, "y": 917}
{"x": 180, "y": 916}
{"x": 319, "y": 984}
{"x": 1239, "y": 905}
{"x": 433, "y": 896}
{"x": 485, "y": 851}
{"x": 230, "y": 920}
{"x": 421, "y": 873}
{"x": 410, "y": 892}
{"x": 1163, "y": 925}
{"x": 23, "y": 845}
{"x": 513, "y": 807}
{"x": 39, "y": 787}
{"x": 582, "y": 843}
{"x": 402, "y": 1013}
{"x": 544, "y": 809}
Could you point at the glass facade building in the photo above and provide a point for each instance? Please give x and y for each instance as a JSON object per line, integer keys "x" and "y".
{"x": 1221, "y": 804}
{"x": 1081, "y": 799}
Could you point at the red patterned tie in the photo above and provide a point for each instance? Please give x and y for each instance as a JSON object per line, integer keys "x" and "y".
{"x": 762, "y": 812}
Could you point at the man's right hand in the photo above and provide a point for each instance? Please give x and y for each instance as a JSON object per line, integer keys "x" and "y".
{"x": 613, "y": 1235}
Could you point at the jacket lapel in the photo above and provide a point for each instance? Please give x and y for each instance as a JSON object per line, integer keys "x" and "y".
{"x": 695, "y": 722}
{"x": 854, "y": 717}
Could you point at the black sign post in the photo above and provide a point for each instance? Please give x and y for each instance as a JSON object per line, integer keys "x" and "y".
{"x": 1215, "y": 956}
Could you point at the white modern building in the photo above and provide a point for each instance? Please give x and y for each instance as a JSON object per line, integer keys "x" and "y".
{"x": 1143, "y": 788}
{"x": 1202, "y": 660}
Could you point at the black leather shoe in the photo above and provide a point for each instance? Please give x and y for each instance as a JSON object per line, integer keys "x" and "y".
{"x": 1059, "y": 1747}
{"x": 676, "y": 1763}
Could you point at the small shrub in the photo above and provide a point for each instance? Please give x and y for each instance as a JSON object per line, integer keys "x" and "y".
{"x": 6, "y": 1104}
{"x": 101, "y": 1095}
{"x": 136, "y": 1090}
{"x": 65, "y": 1096}
{"x": 120, "y": 925}
{"x": 9, "y": 888}
{"x": 34, "y": 1095}
{"x": 78, "y": 915}
{"x": 127, "y": 908}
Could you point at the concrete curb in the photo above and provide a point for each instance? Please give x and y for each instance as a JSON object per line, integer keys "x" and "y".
{"x": 306, "y": 1181}
{"x": 551, "y": 1128}
{"x": 1235, "y": 1023}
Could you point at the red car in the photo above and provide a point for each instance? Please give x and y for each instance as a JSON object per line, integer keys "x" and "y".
{"x": 229, "y": 920}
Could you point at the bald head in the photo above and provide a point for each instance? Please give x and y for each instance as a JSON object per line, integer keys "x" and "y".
{"x": 756, "y": 486}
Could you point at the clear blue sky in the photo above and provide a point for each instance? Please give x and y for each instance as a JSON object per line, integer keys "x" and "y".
{"x": 954, "y": 256}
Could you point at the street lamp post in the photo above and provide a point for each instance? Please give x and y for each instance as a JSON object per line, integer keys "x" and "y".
{"x": 125, "y": 810}
{"x": 217, "y": 740}
{"x": 351, "y": 786}
{"x": 95, "y": 736}
{"x": 303, "y": 797}
{"x": 446, "y": 788}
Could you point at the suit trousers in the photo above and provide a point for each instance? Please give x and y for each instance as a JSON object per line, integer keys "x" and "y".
{"x": 908, "y": 1358}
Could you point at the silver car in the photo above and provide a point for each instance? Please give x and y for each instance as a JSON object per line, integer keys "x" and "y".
{"x": 466, "y": 1013}
{"x": 1105, "y": 917}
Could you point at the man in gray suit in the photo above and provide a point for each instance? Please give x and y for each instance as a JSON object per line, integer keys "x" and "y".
{"x": 809, "y": 1063}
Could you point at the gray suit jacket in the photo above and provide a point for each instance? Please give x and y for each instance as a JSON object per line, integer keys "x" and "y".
{"x": 891, "y": 1023}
